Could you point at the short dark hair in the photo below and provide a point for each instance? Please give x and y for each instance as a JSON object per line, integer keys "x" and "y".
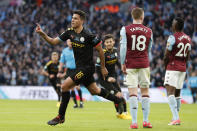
{"x": 179, "y": 24}
{"x": 81, "y": 13}
{"x": 108, "y": 36}
{"x": 137, "y": 13}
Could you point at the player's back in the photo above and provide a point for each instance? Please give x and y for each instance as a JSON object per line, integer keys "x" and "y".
{"x": 178, "y": 55}
{"x": 138, "y": 44}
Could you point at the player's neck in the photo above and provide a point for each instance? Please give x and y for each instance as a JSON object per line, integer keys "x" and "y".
{"x": 54, "y": 61}
{"x": 79, "y": 29}
{"x": 177, "y": 31}
{"x": 137, "y": 22}
{"x": 110, "y": 50}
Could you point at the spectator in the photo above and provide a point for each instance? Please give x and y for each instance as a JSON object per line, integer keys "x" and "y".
{"x": 23, "y": 54}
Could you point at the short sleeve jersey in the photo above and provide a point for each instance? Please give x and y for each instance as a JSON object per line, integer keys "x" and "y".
{"x": 139, "y": 38}
{"x": 178, "y": 44}
{"x": 51, "y": 68}
{"x": 82, "y": 44}
{"x": 111, "y": 59}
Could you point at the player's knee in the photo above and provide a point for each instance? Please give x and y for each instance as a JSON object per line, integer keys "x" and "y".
{"x": 170, "y": 92}
{"x": 64, "y": 88}
{"x": 145, "y": 92}
{"x": 95, "y": 91}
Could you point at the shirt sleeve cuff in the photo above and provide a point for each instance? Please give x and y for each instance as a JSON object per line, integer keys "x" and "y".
{"x": 98, "y": 43}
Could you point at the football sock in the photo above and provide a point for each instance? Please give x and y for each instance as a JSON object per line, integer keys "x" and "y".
{"x": 74, "y": 97}
{"x": 116, "y": 107}
{"x": 145, "y": 108}
{"x": 125, "y": 106}
{"x": 80, "y": 94}
{"x": 194, "y": 98}
{"x": 178, "y": 101}
{"x": 59, "y": 93}
{"x": 107, "y": 95}
{"x": 133, "y": 108}
{"x": 173, "y": 106}
{"x": 64, "y": 104}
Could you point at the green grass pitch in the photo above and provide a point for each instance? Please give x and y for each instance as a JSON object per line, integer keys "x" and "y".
{"x": 26, "y": 115}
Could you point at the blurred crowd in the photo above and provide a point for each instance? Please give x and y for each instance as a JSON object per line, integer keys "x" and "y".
{"x": 23, "y": 53}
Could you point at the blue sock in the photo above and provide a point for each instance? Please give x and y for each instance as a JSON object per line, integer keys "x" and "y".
{"x": 173, "y": 106}
{"x": 133, "y": 108}
{"x": 178, "y": 100}
{"x": 145, "y": 108}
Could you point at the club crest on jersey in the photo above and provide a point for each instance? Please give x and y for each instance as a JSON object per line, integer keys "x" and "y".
{"x": 82, "y": 39}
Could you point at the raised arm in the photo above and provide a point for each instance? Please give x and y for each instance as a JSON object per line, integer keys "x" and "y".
{"x": 52, "y": 41}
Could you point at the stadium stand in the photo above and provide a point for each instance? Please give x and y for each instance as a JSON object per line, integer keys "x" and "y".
{"x": 23, "y": 54}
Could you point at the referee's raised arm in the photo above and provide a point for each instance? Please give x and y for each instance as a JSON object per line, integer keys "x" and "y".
{"x": 52, "y": 41}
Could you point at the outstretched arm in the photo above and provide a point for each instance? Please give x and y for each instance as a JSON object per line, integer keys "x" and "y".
{"x": 52, "y": 41}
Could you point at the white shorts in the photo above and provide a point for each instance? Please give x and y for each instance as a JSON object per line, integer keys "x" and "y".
{"x": 138, "y": 77}
{"x": 174, "y": 78}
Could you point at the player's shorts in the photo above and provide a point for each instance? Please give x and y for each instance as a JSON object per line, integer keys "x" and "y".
{"x": 138, "y": 77}
{"x": 83, "y": 76}
{"x": 54, "y": 82}
{"x": 174, "y": 78}
{"x": 69, "y": 72}
{"x": 194, "y": 90}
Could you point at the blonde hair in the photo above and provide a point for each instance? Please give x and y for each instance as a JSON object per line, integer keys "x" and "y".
{"x": 137, "y": 13}
{"x": 54, "y": 53}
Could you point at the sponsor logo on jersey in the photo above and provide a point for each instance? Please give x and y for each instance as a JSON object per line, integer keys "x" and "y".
{"x": 77, "y": 45}
{"x": 111, "y": 61}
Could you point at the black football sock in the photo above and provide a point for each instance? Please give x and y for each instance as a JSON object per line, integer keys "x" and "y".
{"x": 74, "y": 97}
{"x": 107, "y": 95}
{"x": 80, "y": 94}
{"x": 64, "y": 104}
{"x": 125, "y": 106}
{"x": 194, "y": 98}
{"x": 59, "y": 93}
{"x": 116, "y": 107}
